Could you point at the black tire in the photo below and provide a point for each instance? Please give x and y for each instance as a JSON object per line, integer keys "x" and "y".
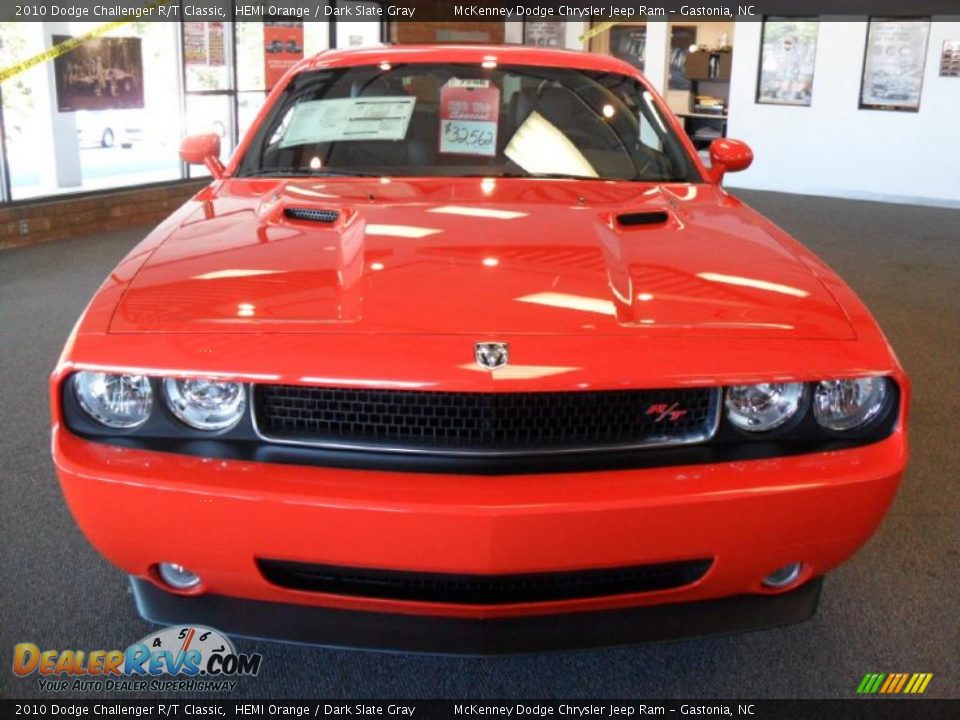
{"x": 106, "y": 140}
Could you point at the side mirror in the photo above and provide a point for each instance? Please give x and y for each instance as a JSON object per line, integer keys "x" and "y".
{"x": 203, "y": 150}
{"x": 728, "y": 156}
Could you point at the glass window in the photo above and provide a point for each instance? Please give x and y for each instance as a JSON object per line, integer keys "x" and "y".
{"x": 210, "y": 114}
{"x": 463, "y": 120}
{"x": 250, "y": 56}
{"x": 248, "y": 105}
{"x": 358, "y": 33}
{"x": 106, "y": 114}
{"x": 207, "y": 56}
{"x": 112, "y": 112}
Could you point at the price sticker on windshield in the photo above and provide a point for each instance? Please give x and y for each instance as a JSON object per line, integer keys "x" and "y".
{"x": 469, "y": 113}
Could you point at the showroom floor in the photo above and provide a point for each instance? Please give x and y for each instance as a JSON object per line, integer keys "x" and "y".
{"x": 894, "y": 607}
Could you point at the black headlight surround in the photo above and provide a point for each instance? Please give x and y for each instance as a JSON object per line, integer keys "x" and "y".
{"x": 161, "y": 425}
{"x": 163, "y": 432}
{"x": 803, "y": 427}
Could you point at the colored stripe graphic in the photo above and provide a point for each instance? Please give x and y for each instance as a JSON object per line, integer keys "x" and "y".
{"x": 894, "y": 683}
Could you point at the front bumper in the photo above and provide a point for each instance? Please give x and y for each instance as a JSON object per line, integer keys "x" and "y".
{"x": 468, "y": 636}
{"x": 217, "y": 517}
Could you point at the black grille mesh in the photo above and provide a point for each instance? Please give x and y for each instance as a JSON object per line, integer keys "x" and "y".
{"x": 312, "y": 214}
{"x": 502, "y": 422}
{"x": 482, "y": 589}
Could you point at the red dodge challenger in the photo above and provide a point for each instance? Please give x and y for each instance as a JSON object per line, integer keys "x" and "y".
{"x": 465, "y": 350}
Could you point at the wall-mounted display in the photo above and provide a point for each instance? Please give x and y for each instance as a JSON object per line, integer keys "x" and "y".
{"x": 544, "y": 33}
{"x": 282, "y": 48}
{"x": 682, "y": 38}
{"x": 629, "y": 43}
{"x": 99, "y": 74}
{"x": 203, "y": 43}
{"x": 893, "y": 64}
{"x": 950, "y": 59}
{"x": 788, "y": 56}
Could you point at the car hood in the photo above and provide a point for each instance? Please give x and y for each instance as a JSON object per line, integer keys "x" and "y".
{"x": 478, "y": 257}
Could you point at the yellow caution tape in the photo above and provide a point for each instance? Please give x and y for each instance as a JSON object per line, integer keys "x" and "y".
{"x": 597, "y": 29}
{"x": 68, "y": 45}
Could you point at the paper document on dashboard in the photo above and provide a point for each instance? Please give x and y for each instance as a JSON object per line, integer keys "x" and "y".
{"x": 363, "y": 118}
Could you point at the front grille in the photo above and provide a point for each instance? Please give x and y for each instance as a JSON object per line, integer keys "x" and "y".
{"x": 484, "y": 423}
{"x": 482, "y": 589}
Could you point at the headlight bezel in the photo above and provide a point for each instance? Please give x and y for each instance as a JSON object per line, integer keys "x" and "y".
{"x": 163, "y": 430}
{"x": 82, "y": 381}
{"x": 782, "y": 425}
{"x": 803, "y": 428}
{"x": 177, "y": 402}
{"x": 889, "y": 399}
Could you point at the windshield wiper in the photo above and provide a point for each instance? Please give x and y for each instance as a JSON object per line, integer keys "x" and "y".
{"x": 301, "y": 172}
{"x": 539, "y": 175}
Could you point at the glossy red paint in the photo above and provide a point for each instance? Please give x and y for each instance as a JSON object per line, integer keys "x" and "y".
{"x": 395, "y": 294}
{"x": 203, "y": 150}
{"x": 216, "y": 516}
{"x": 728, "y": 155}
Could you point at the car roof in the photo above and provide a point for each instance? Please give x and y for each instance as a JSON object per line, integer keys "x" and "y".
{"x": 467, "y": 53}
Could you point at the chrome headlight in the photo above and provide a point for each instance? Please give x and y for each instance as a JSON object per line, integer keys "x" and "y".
{"x": 843, "y": 405}
{"x": 114, "y": 400}
{"x": 757, "y": 408}
{"x": 204, "y": 403}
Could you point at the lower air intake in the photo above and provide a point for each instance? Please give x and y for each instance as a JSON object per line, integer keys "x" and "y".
{"x": 482, "y": 589}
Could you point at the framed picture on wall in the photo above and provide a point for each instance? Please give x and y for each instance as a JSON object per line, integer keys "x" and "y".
{"x": 893, "y": 64}
{"x": 543, "y": 33}
{"x": 629, "y": 43}
{"x": 950, "y": 59}
{"x": 788, "y": 53}
{"x": 103, "y": 73}
{"x": 682, "y": 38}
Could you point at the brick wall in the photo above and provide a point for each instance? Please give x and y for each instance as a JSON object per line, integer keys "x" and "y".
{"x": 61, "y": 218}
{"x": 430, "y": 32}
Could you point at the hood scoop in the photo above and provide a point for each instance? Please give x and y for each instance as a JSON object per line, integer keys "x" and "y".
{"x": 315, "y": 215}
{"x": 638, "y": 219}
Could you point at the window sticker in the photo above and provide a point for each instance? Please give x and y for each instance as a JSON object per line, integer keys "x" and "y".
{"x": 469, "y": 113}
{"x": 361, "y": 118}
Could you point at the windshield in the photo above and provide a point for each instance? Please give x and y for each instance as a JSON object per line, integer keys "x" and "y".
{"x": 465, "y": 120}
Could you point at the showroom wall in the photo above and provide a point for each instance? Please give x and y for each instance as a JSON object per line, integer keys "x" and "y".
{"x": 832, "y": 147}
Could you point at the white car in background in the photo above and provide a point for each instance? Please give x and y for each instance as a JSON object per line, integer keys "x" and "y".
{"x": 109, "y": 128}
